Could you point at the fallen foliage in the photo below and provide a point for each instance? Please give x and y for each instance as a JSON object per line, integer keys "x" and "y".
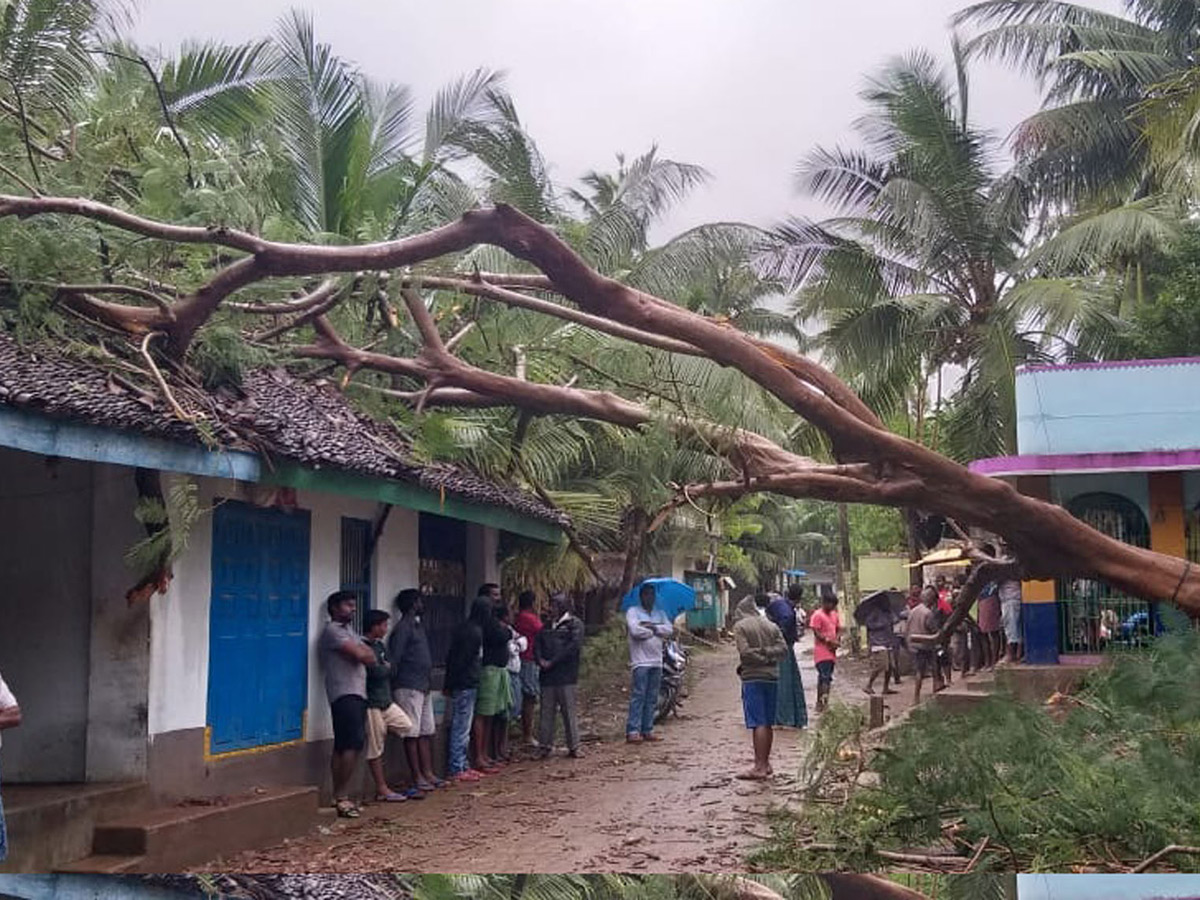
{"x": 1101, "y": 780}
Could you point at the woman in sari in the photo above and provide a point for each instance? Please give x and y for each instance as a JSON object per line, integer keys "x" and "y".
{"x": 791, "y": 710}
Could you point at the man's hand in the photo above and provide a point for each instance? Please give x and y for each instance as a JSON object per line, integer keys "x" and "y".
{"x": 10, "y": 717}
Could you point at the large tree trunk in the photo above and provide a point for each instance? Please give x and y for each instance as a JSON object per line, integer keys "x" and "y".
{"x": 637, "y": 520}
{"x": 874, "y": 465}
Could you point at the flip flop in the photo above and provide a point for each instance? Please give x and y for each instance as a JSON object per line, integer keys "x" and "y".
{"x": 414, "y": 794}
{"x": 347, "y": 810}
{"x": 391, "y": 797}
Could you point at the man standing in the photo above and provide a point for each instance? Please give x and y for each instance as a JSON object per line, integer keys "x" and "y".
{"x": 921, "y": 621}
{"x": 647, "y": 627}
{"x": 1010, "y": 613}
{"x": 528, "y": 625}
{"x": 791, "y": 709}
{"x": 826, "y": 625}
{"x": 10, "y": 717}
{"x": 557, "y": 653}
{"x": 880, "y": 622}
{"x": 464, "y": 663}
{"x": 412, "y": 669}
{"x": 345, "y": 657}
{"x": 383, "y": 715}
{"x": 760, "y": 646}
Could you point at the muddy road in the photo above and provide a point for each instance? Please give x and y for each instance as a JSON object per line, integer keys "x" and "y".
{"x": 667, "y": 807}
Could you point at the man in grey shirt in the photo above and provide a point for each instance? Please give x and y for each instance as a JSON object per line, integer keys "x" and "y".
{"x": 344, "y": 657}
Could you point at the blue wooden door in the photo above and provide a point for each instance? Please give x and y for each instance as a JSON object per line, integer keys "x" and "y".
{"x": 258, "y": 627}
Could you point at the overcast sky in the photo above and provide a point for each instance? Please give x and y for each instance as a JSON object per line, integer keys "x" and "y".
{"x": 742, "y": 87}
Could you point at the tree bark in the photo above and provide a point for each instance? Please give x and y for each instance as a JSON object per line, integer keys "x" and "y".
{"x": 637, "y": 521}
{"x": 875, "y": 465}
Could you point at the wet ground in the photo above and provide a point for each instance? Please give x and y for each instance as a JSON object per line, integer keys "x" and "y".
{"x": 672, "y": 806}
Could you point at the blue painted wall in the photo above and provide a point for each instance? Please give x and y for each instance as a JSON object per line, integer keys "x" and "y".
{"x": 1109, "y": 410}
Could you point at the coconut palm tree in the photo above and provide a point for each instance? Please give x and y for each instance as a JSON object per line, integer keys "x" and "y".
{"x": 1085, "y": 146}
{"x": 931, "y": 276}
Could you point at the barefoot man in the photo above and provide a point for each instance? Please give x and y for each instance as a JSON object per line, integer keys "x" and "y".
{"x": 760, "y": 646}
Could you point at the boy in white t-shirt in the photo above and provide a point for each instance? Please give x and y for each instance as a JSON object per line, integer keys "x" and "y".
{"x": 10, "y": 717}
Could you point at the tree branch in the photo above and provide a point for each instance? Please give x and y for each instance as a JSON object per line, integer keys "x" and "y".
{"x": 317, "y": 303}
{"x": 524, "y": 301}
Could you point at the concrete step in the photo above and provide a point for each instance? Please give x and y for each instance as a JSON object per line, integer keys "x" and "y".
{"x": 169, "y": 839}
{"x": 50, "y": 825}
{"x": 105, "y": 864}
{"x": 958, "y": 699}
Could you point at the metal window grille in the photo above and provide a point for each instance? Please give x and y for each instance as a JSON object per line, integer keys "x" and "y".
{"x": 1093, "y": 616}
{"x": 356, "y": 564}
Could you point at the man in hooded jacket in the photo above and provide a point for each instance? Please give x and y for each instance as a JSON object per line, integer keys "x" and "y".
{"x": 760, "y": 646}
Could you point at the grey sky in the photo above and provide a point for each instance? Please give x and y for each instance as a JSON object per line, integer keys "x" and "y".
{"x": 1106, "y": 887}
{"x": 742, "y": 87}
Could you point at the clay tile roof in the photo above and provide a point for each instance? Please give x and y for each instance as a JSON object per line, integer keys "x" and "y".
{"x": 276, "y": 413}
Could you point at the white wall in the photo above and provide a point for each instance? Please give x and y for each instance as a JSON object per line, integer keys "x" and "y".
{"x": 179, "y": 641}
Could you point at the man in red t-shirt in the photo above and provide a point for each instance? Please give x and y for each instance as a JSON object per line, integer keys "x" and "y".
{"x": 826, "y": 625}
{"x": 528, "y": 625}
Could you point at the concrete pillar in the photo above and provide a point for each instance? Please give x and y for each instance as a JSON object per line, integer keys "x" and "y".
{"x": 119, "y": 664}
{"x": 483, "y": 544}
{"x": 1039, "y": 606}
{"x": 1168, "y": 532}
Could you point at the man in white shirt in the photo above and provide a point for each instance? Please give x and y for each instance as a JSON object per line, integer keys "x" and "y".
{"x": 10, "y": 717}
{"x": 647, "y": 627}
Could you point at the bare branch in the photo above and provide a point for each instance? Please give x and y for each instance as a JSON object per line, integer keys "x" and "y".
{"x": 157, "y": 299}
{"x": 317, "y": 303}
{"x": 459, "y": 336}
{"x": 422, "y": 318}
{"x": 162, "y": 102}
{"x": 524, "y": 301}
{"x": 160, "y": 381}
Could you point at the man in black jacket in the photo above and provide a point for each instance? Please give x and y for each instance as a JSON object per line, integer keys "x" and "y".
{"x": 464, "y": 662}
{"x": 557, "y": 652}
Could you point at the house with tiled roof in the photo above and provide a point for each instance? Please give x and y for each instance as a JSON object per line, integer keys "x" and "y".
{"x": 1118, "y": 445}
{"x": 211, "y": 687}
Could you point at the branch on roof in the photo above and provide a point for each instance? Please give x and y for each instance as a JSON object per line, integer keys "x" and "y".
{"x": 1048, "y": 541}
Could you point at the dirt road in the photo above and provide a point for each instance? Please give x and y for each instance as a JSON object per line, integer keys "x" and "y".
{"x": 671, "y": 806}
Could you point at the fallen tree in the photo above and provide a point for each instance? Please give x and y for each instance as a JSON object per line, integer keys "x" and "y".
{"x": 871, "y": 464}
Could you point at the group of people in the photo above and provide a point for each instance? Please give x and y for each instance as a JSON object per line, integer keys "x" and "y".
{"x": 381, "y": 683}
{"x": 766, "y": 628}
{"x": 977, "y": 643}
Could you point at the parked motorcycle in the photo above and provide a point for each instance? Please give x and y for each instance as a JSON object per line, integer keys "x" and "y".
{"x": 670, "y": 689}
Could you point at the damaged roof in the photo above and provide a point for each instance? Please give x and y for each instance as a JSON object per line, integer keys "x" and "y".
{"x": 275, "y": 415}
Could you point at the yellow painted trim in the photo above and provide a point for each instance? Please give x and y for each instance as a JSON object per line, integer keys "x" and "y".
{"x": 1037, "y": 592}
{"x": 1168, "y": 532}
{"x": 209, "y": 756}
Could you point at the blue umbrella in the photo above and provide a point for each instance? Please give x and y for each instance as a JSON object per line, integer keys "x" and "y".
{"x": 671, "y": 596}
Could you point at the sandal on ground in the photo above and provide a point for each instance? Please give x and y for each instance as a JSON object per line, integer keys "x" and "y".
{"x": 347, "y": 810}
{"x": 390, "y": 797}
{"x": 414, "y": 794}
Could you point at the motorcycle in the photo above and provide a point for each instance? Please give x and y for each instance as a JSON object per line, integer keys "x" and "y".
{"x": 670, "y": 689}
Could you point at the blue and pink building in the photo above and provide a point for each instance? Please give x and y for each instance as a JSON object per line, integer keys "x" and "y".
{"x": 1118, "y": 445}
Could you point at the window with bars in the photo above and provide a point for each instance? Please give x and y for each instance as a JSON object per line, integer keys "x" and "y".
{"x": 1093, "y": 616}
{"x": 442, "y": 547}
{"x": 356, "y": 564}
